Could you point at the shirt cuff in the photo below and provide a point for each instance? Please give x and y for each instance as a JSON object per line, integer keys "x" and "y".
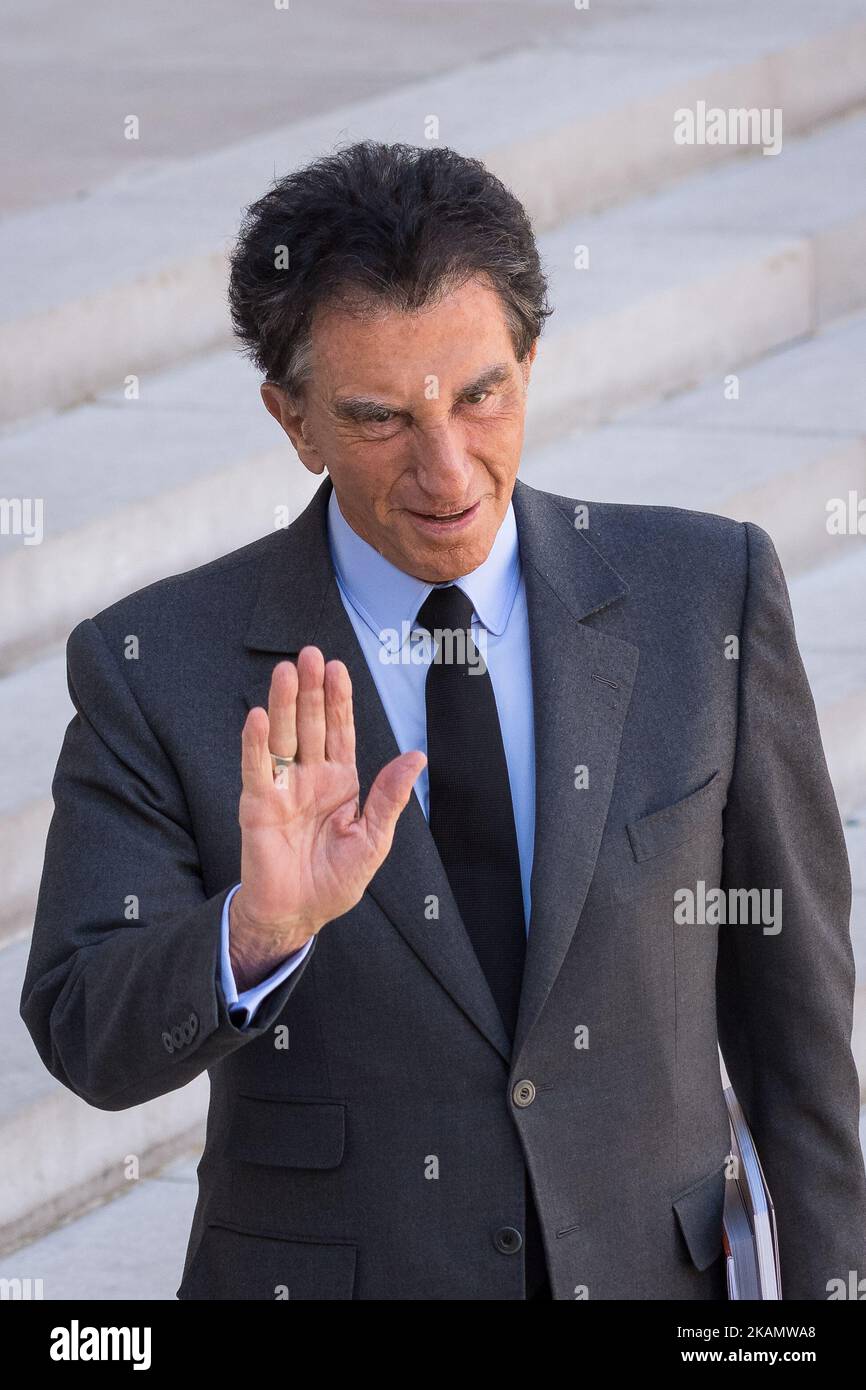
{"x": 242, "y": 1007}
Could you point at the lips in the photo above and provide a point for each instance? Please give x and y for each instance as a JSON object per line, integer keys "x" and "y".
{"x": 445, "y": 515}
{"x": 445, "y": 523}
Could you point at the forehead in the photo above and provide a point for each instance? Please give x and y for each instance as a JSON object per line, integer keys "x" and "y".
{"x": 386, "y": 351}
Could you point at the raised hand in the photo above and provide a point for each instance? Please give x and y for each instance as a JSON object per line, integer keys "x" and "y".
{"x": 307, "y": 854}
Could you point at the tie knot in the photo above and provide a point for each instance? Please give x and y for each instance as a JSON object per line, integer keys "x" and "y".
{"x": 446, "y": 608}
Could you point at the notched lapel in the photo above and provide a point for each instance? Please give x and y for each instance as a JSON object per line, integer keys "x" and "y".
{"x": 582, "y": 682}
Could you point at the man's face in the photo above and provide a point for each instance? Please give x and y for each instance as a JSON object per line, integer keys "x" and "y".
{"x": 418, "y": 419}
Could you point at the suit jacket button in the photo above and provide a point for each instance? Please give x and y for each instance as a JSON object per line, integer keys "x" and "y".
{"x": 507, "y": 1240}
{"x": 523, "y": 1093}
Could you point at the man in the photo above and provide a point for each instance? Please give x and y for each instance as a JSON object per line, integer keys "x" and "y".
{"x": 461, "y": 1043}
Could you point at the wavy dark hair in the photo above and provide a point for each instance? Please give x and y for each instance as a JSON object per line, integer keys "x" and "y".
{"x": 377, "y": 225}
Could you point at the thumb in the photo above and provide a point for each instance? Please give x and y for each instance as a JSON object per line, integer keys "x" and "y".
{"x": 387, "y": 797}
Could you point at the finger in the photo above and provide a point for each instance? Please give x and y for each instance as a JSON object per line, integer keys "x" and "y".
{"x": 339, "y": 720}
{"x": 311, "y": 706}
{"x": 386, "y": 799}
{"x": 256, "y": 772}
{"x": 282, "y": 709}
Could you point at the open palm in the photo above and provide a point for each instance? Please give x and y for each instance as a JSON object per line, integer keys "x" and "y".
{"x": 307, "y": 854}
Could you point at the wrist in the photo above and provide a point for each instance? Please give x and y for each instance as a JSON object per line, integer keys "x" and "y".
{"x": 257, "y": 947}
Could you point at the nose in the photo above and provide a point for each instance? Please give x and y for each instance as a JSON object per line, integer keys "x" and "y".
{"x": 442, "y": 467}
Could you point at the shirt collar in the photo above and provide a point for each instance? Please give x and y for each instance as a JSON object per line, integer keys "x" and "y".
{"x": 385, "y": 597}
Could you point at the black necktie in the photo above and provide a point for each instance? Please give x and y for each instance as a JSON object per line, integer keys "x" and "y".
{"x": 471, "y": 814}
{"x": 472, "y": 823}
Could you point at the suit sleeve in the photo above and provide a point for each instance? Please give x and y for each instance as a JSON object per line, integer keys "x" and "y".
{"x": 785, "y": 997}
{"x": 122, "y": 994}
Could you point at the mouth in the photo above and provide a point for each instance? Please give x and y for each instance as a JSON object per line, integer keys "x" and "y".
{"x": 445, "y": 522}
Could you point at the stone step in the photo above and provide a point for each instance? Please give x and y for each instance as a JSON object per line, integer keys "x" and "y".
{"x": 134, "y": 490}
{"x": 249, "y": 69}
{"x": 198, "y": 463}
{"x": 137, "y": 278}
{"x": 35, "y": 709}
{"x": 830, "y": 617}
{"x": 792, "y": 439}
{"x": 60, "y": 1154}
{"x": 132, "y": 1247}
{"x": 701, "y": 278}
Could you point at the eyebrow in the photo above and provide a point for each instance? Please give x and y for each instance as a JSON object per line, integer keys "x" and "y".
{"x": 359, "y": 408}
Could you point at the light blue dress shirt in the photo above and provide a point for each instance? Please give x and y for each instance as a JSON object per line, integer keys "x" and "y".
{"x": 382, "y": 602}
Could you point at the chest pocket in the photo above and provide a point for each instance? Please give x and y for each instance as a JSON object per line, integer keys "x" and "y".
{"x": 667, "y": 848}
{"x": 667, "y": 829}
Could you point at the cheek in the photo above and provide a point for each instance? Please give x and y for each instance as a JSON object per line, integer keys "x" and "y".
{"x": 495, "y": 436}
{"x": 365, "y": 476}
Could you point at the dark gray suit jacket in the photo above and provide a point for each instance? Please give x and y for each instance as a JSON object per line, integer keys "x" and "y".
{"x": 381, "y": 1154}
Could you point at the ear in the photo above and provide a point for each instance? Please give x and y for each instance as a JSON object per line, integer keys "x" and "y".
{"x": 293, "y": 421}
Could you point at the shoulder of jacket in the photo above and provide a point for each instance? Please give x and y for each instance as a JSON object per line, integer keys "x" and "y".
{"x": 193, "y": 593}
{"x": 683, "y": 549}
{"x": 663, "y": 522}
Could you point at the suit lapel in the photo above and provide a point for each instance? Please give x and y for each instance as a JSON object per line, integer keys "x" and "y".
{"x": 582, "y": 680}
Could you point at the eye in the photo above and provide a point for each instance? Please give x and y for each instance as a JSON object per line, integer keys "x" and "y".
{"x": 476, "y": 397}
{"x": 381, "y": 417}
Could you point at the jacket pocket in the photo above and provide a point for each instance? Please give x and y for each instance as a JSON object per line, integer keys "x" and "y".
{"x": 287, "y": 1133}
{"x": 235, "y": 1264}
{"x": 700, "y": 1213}
{"x": 674, "y": 825}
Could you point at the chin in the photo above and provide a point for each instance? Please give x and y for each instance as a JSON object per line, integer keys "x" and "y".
{"x": 442, "y": 561}
{"x": 453, "y": 561}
